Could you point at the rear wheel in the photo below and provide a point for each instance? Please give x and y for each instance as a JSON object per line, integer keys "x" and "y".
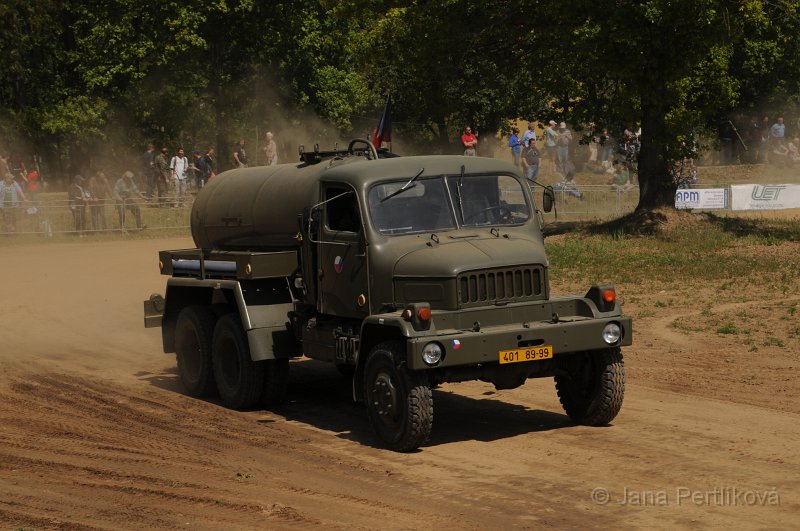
{"x": 193, "y": 336}
{"x": 591, "y": 385}
{"x": 399, "y": 401}
{"x": 240, "y": 380}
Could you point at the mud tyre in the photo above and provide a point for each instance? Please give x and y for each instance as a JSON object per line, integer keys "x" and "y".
{"x": 194, "y": 331}
{"x": 591, "y": 385}
{"x": 399, "y": 401}
{"x": 240, "y": 380}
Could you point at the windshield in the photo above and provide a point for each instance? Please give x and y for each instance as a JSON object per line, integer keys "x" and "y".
{"x": 485, "y": 200}
{"x": 478, "y": 200}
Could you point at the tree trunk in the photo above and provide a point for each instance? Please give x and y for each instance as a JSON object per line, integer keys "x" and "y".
{"x": 656, "y": 186}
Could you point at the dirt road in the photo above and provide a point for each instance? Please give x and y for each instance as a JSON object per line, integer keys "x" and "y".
{"x": 95, "y": 433}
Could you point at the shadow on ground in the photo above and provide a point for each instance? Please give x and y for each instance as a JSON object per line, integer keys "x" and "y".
{"x": 321, "y": 397}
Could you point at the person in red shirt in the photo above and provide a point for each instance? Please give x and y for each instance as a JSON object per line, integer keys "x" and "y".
{"x": 470, "y": 142}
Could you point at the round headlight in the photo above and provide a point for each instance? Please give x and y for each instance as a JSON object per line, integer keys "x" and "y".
{"x": 612, "y": 333}
{"x": 432, "y": 353}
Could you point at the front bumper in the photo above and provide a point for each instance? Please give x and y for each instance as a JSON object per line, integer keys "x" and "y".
{"x": 472, "y": 347}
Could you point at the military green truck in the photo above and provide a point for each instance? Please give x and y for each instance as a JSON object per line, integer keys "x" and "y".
{"x": 404, "y": 272}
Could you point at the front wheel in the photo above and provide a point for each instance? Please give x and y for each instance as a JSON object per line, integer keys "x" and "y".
{"x": 591, "y": 385}
{"x": 399, "y": 401}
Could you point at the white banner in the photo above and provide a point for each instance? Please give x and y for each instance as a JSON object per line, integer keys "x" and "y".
{"x": 702, "y": 198}
{"x": 765, "y": 196}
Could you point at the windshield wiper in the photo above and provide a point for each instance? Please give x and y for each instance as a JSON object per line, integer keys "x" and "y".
{"x": 458, "y": 191}
{"x": 408, "y": 186}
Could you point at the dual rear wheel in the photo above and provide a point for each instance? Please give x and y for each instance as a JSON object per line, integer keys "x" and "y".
{"x": 213, "y": 354}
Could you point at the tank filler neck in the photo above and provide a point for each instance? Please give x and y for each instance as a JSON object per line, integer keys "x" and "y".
{"x": 358, "y": 147}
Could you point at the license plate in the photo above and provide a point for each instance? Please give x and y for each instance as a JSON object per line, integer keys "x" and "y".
{"x": 517, "y": 355}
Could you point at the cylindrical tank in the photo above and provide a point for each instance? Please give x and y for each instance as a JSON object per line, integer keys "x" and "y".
{"x": 254, "y": 209}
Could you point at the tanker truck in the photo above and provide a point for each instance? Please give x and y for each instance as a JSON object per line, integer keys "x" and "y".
{"x": 404, "y": 272}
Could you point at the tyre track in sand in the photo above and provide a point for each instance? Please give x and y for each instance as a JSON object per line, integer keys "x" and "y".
{"x": 95, "y": 433}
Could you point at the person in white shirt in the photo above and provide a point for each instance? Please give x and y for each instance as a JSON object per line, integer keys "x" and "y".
{"x": 179, "y": 165}
{"x": 271, "y": 150}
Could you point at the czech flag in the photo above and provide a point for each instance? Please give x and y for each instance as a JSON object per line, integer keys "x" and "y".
{"x": 383, "y": 133}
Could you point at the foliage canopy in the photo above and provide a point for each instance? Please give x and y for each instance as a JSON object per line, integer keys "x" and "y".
{"x": 77, "y": 74}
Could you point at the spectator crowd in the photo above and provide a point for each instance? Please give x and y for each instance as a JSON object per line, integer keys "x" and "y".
{"x": 165, "y": 179}
{"x": 168, "y": 178}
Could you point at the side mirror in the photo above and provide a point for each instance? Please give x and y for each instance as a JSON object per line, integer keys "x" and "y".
{"x": 548, "y": 198}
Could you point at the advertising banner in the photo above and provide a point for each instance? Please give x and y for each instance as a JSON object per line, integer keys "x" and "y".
{"x": 702, "y": 198}
{"x": 765, "y": 196}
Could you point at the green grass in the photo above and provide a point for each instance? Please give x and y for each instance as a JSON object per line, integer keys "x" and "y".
{"x": 711, "y": 251}
{"x": 727, "y": 328}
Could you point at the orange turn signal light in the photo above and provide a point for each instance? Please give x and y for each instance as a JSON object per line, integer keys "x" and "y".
{"x": 609, "y": 296}
{"x": 406, "y": 314}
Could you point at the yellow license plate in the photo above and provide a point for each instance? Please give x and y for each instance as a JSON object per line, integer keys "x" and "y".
{"x": 517, "y": 355}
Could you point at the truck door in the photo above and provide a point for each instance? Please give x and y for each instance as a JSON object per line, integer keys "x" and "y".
{"x": 342, "y": 257}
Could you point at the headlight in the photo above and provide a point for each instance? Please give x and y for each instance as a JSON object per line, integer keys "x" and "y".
{"x": 612, "y": 333}
{"x": 432, "y": 353}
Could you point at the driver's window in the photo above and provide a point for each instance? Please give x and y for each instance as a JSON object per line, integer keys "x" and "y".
{"x": 341, "y": 210}
{"x": 488, "y": 200}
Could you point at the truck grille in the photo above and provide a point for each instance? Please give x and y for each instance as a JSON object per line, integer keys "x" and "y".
{"x": 480, "y": 288}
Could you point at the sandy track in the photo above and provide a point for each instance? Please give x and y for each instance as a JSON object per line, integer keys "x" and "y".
{"x": 95, "y": 434}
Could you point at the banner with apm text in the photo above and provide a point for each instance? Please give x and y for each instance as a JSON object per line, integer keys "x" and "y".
{"x": 765, "y": 196}
{"x": 705, "y": 198}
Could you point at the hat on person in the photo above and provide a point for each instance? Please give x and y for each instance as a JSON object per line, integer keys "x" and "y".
{"x": 562, "y": 125}
{"x": 128, "y": 174}
{"x": 552, "y": 122}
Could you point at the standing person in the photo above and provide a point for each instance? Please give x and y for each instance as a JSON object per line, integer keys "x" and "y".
{"x": 470, "y": 142}
{"x": 594, "y": 143}
{"x": 163, "y": 176}
{"x": 148, "y": 170}
{"x": 197, "y": 170}
{"x": 777, "y": 132}
{"x": 514, "y": 144}
{"x": 550, "y": 136}
{"x": 206, "y": 165}
{"x": 101, "y": 191}
{"x": 179, "y": 168}
{"x": 530, "y": 161}
{"x": 10, "y": 196}
{"x": 240, "y": 155}
{"x": 753, "y": 134}
{"x": 17, "y": 168}
{"x": 127, "y": 195}
{"x": 563, "y": 141}
{"x": 77, "y": 204}
{"x": 91, "y": 202}
{"x": 606, "y": 150}
{"x": 4, "y": 164}
{"x": 529, "y": 134}
{"x": 271, "y": 150}
{"x": 34, "y": 184}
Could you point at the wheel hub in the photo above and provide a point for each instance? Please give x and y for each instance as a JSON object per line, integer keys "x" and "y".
{"x": 384, "y": 397}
